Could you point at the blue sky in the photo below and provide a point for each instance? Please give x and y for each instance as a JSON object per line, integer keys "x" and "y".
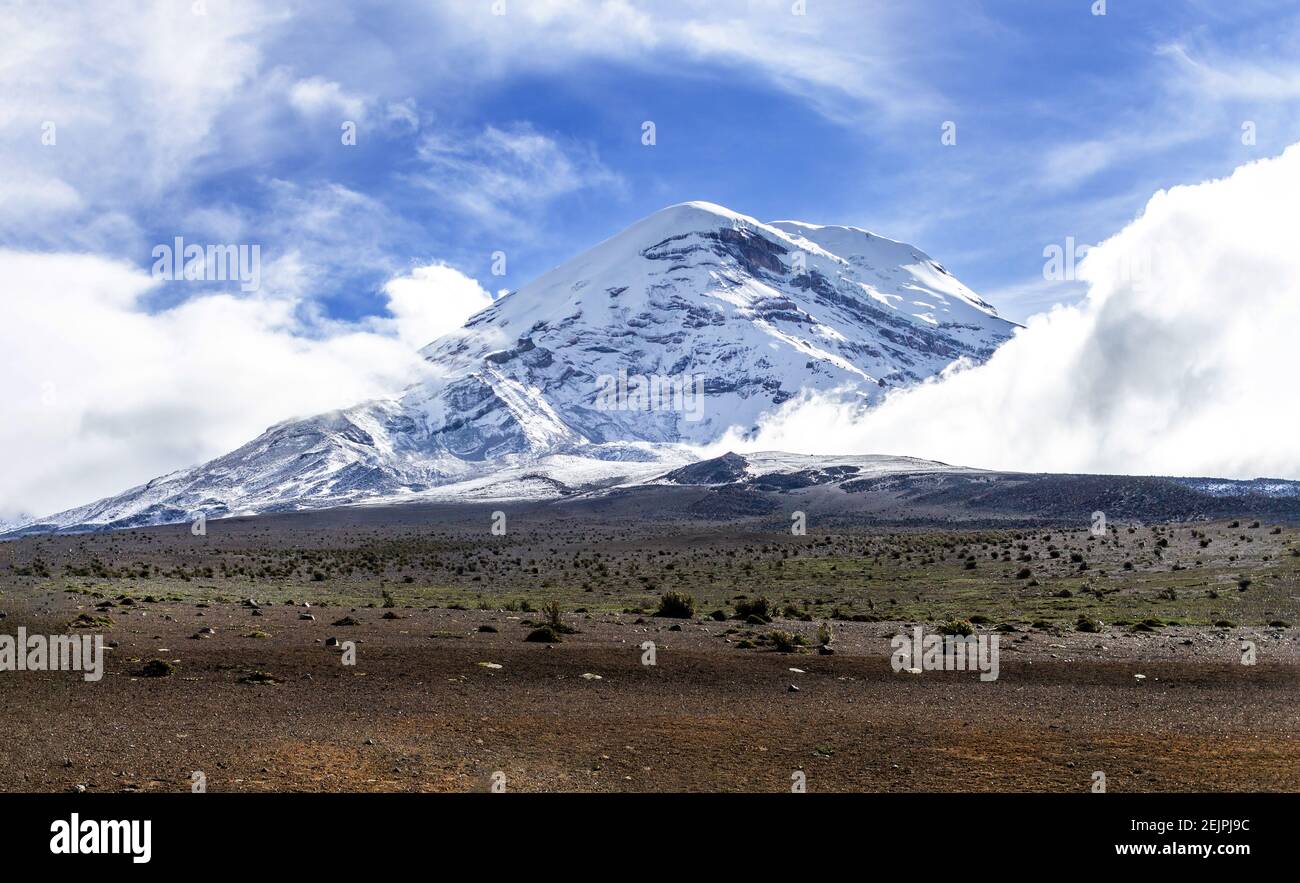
{"x": 127, "y": 123}
{"x": 521, "y": 132}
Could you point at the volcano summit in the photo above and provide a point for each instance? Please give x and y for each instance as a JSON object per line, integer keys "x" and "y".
{"x": 728, "y": 316}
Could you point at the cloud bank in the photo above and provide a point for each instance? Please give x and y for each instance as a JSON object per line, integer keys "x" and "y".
{"x": 1181, "y": 360}
{"x": 100, "y": 393}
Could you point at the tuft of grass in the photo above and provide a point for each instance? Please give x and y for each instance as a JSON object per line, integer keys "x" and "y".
{"x": 676, "y": 605}
{"x": 555, "y": 619}
{"x": 825, "y": 634}
{"x": 961, "y": 627}
{"x": 543, "y": 635}
{"x": 786, "y": 642}
{"x": 1088, "y": 624}
{"x": 758, "y": 610}
{"x": 86, "y": 621}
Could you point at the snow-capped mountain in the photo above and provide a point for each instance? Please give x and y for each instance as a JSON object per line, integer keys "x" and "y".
{"x": 15, "y": 522}
{"x": 690, "y": 322}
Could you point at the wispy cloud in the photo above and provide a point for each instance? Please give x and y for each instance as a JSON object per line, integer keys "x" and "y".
{"x": 1234, "y": 79}
{"x": 857, "y": 61}
{"x": 501, "y": 176}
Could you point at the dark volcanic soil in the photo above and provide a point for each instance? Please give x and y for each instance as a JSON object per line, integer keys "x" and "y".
{"x": 419, "y": 711}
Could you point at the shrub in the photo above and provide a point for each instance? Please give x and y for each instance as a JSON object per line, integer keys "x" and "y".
{"x": 1088, "y": 624}
{"x": 544, "y": 635}
{"x": 961, "y": 627}
{"x": 758, "y": 607}
{"x": 555, "y": 619}
{"x": 676, "y": 605}
{"x": 785, "y": 642}
{"x": 825, "y": 634}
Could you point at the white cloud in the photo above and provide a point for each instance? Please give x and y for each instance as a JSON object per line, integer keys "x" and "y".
{"x": 433, "y": 301}
{"x": 501, "y": 175}
{"x": 1231, "y": 79}
{"x": 100, "y": 394}
{"x": 840, "y": 55}
{"x": 132, "y": 91}
{"x": 316, "y": 95}
{"x": 1187, "y": 369}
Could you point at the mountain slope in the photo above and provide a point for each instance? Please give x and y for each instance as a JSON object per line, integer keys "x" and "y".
{"x": 693, "y": 321}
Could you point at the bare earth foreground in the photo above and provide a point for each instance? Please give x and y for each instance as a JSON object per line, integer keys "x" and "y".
{"x": 262, "y": 704}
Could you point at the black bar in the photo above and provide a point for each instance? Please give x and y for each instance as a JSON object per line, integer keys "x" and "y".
{"x": 535, "y": 831}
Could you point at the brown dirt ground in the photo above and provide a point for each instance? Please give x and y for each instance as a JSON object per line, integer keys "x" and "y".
{"x": 418, "y": 713}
